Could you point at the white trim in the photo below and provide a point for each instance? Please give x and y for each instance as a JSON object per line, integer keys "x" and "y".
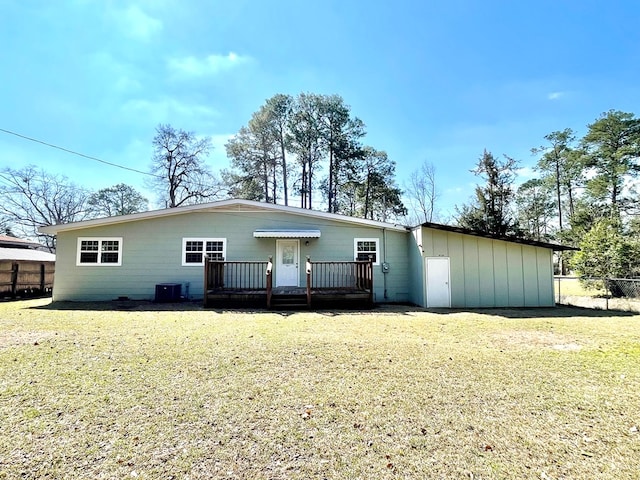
{"x": 263, "y": 233}
{"x": 377, "y": 252}
{"x": 228, "y": 206}
{"x": 98, "y": 263}
{"x": 183, "y": 252}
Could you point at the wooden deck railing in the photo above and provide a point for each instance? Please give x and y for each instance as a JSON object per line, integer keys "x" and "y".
{"x": 243, "y": 278}
{"x": 340, "y": 275}
{"x": 237, "y": 276}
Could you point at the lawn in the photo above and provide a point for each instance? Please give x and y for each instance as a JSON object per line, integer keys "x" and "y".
{"x": 141, "y": 391}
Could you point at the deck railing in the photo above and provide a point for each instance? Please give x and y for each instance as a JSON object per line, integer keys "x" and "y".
{"x": 340, "y": 275}
{"x": 236, "y": 275}
{"x": 251, "y": 277}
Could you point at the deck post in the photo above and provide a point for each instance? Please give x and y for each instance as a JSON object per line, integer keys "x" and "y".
{"x": 308, "y": 281}
{"x": 370, "y": 279}
{"x": 269, "y": 282}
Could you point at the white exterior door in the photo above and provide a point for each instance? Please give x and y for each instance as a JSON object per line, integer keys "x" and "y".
{"x": 437, "y": 282}
{"x": 287, "y": 253}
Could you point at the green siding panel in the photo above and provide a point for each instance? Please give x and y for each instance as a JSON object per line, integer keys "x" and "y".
{"x": 515, "y": 275}
{"x": 455, "y": 252}
{"x": 486, "y": 266}
{"x": 530, "y": 276}
{"x": 471, "y": 271}
{"x": 501, "y": 274}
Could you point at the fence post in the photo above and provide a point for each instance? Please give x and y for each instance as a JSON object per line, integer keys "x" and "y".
{"x": 42, "y": 282}
{"x": 14, "y": 279}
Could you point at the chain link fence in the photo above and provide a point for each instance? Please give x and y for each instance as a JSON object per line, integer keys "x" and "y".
{"x": 601, "y": 293}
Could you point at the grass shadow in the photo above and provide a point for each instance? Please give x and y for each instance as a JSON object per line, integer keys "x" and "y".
{"x": 560, "y": 311}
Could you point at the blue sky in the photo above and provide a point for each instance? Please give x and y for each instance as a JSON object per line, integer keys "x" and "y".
{"x": 435, "y": 81}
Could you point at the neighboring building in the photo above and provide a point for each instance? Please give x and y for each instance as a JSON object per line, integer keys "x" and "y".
{"x": 25, "y": 270}
{"x": 431, "y": 265}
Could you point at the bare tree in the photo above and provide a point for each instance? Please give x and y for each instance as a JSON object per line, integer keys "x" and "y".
{"x": 121, "y": 199}
{"x": 422, "y": 194}
{"x": 31, "y": 198}
{"x": 181, "y": 175}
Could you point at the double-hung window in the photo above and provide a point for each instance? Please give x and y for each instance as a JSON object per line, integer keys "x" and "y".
{"x": 99, "y": 251}
{"x": 194, "y": 250}
{"x": 363, "y": 248}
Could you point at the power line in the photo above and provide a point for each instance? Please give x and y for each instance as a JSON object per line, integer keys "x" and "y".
{"x": 77, "y": 153}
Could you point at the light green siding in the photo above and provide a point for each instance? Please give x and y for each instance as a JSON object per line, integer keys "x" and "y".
{"x": 486, "y": 266}
{"x": 152, "y": 253}
{"x": 490, "y": 273}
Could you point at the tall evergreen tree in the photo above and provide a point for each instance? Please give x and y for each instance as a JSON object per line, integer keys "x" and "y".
{"x": 492, "y": 210}
{"x": 612, "y": 151}
{"x": 561, "y": 165}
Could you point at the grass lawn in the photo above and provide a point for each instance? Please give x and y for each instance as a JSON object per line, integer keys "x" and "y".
{"x": 146, "y": 393}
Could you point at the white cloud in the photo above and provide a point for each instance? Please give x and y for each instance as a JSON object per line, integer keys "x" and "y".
{"x": 137, "y": 24}
{"x": 555, "y": 95}
{"x": 191, "y": 66}
{"x": 169, "y": 110}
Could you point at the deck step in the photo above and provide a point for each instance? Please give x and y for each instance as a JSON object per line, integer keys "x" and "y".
{"x": 289, "y": 301}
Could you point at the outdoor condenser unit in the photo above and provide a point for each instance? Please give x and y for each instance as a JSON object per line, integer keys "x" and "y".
{"x": 168, "y": 292}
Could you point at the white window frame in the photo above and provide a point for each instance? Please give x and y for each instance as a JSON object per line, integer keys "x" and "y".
{"x": 99, "y": 262}
{"x": 204, "y": 253}
{"x": 377, "y": 252}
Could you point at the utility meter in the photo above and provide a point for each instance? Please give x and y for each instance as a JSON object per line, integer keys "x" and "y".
{"x": 385, "y": 267}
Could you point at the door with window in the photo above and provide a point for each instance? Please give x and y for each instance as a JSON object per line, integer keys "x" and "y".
{"x": 287, "y": 254}
{"x": 438, "y": 288}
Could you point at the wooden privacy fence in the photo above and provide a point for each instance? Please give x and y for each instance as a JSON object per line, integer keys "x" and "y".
{"x": 24, "y": 278}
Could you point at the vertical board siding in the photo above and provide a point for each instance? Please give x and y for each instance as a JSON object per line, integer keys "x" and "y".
{"x": 415, "y": 247}
{"x": 486, "y": 265}
{"x": 456, "y": 265}
{"x": 530, "y": 276}
{"x": 491, "y": 273}
{"x": 515, "y": 275}
{"x": 501, "y": 269}
{"x": 471, "y": 271}
{"x": 545, "y": 271}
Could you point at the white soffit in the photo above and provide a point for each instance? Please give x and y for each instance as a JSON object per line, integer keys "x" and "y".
{"x": 260, "y": 233}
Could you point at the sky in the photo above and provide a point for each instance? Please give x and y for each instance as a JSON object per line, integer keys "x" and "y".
{"x": 435, "y": 81}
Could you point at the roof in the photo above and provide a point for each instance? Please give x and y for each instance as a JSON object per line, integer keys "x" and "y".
{"x": 7, "y": 240}
{"x": 26, "y": 254}
{"x": 234, "y": 205}
{"x": 506, "y": 238}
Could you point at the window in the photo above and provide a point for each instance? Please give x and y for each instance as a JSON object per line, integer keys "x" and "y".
{"x": 99, "y": 251}
{"x": 195, "y": 249}
{"x": 365, "y": 247}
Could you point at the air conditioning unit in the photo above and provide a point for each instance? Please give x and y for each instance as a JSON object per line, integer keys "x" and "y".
{"x": 168, "y": 292}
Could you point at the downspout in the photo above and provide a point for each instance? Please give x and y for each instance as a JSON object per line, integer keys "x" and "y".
{"x": 384, "y": 261}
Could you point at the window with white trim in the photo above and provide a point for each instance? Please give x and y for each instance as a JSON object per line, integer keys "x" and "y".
{"x": 363, "y": 248}
{"x": 105, "y": 251}
{"x": 195, "y": 249}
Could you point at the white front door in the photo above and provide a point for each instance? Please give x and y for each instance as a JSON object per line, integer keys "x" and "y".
{"x": 287, "y": 253}
{"x": 437, "y": 276}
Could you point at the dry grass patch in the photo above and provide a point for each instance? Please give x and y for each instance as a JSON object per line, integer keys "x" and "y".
{"x": 391, "y": 393}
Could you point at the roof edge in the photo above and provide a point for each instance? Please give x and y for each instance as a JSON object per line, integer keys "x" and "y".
{"x": 506, "y": 238}
{"x": 165, "y": 212}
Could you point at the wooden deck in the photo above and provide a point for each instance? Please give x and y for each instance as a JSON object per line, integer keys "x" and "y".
{"x": 328, "y": 285}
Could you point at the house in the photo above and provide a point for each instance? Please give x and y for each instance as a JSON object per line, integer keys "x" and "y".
{"x": 25, "y": 270}
{"x": 241, "y": 251}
